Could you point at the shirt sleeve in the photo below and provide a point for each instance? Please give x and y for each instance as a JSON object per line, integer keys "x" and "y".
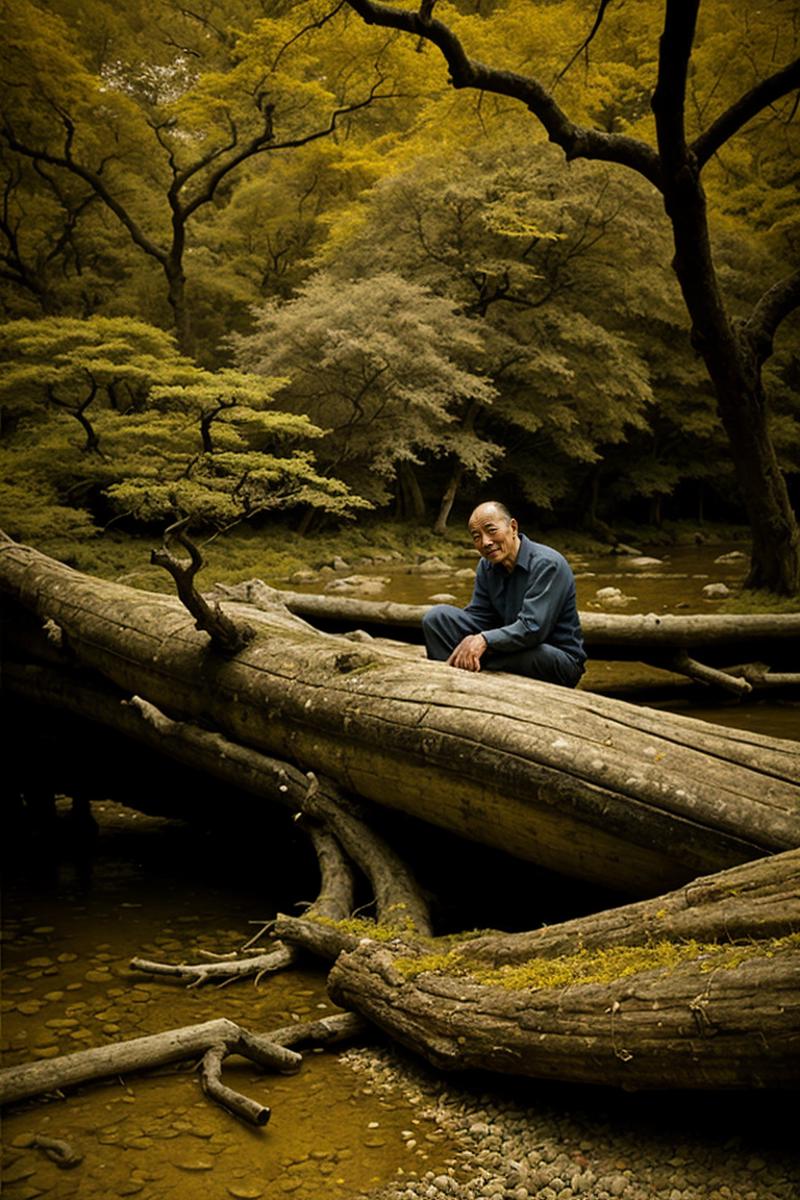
{"x": 546, "y": 591}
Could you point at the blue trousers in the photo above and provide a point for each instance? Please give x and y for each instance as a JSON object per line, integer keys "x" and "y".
{"x": 444, "y": 626}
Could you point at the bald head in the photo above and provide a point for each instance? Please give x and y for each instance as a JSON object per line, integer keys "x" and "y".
{"x": 490, "y": 508}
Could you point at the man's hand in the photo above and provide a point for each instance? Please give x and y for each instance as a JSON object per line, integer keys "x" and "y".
{"x": 468, "y": 652}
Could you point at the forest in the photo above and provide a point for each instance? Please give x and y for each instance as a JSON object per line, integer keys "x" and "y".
{"x": 295, "y": 273}
{"x": 300, "y": 262}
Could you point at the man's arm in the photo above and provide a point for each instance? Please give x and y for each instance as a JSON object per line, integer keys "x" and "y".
{"x": 469, "y": 651}
{"x": 480, "y": 605}
{"x": 548, "y": 587}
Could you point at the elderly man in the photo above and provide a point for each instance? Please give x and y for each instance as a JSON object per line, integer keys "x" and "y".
{"x": 522, "y": 616}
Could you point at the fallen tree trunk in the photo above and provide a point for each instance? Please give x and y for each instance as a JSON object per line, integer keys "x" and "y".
{"x": 632, "y": 798}
{"x": 700, "y": 988}
{"x": 670, "y": 642}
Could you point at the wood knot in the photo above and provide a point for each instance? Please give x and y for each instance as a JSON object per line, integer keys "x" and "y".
{"x": 353, "y": 660}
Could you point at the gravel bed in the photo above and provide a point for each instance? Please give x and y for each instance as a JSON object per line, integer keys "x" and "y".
{"x": 528, "y": 1141}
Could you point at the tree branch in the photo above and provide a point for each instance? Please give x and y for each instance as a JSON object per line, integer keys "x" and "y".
{"x": 744, "y": 109}
{"x": 226, "y": 636}
{"x": 774, "y": 306}
{"x": 67, "y": 163}
{"x": 576, "y": 141}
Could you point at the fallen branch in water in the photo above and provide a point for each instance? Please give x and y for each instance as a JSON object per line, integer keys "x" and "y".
{"x": 213, "y": 1040}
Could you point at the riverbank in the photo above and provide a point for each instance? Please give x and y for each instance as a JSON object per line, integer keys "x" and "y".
{"x": 274, "y": 552}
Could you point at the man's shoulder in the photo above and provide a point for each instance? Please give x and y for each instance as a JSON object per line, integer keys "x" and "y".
{"x": 537, "y": 553}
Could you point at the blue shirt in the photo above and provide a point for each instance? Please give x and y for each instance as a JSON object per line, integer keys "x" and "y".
{"x": 533, "y": 603}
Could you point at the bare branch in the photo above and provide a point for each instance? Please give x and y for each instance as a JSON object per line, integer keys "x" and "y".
{"x": 587, "y": 41}
{"x": 576, "y": 141}
{"x": 774, "y": 306}
{"x": 744, "y": 109}
{"x": 226, "y": 636}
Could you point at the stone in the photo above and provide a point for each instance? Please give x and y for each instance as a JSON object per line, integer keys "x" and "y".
{"x": 613, "y": 597}
{"x": 442, "y": 598}
{"x": 642, "y": 562}
{"x": 733, "y": 556}
{"x": 432, "y": 566}
{"x": 716, "y": 591}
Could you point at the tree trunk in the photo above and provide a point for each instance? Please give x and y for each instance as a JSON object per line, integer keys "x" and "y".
{"x": 448, "y": 499}
{"x": 585, "y": 785}
{"x": 412, "y": 501}
{"x": 718, "y": 1020}
{"x": 176, "y": 295}
{"x": 699, "y": 988}
{"x": 732, "y": 365}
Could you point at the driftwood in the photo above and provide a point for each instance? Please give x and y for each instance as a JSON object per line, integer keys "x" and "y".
{"x": 628, "y": 797}
{"x": 212, "y": 1041}
{"x": 677, "y": 643}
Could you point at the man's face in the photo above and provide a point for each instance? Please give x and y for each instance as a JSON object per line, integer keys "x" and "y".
{"x": 494, "y": 537}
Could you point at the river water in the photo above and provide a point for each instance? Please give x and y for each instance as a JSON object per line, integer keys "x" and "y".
{"x": 80, "y": 901}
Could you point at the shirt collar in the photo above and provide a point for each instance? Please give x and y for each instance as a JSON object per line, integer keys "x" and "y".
{"x": 524, "y": 558}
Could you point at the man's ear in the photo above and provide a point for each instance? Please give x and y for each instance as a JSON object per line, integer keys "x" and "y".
{"x": 514, "y": 525}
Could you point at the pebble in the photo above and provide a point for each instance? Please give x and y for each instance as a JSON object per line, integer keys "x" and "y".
{"x": 514, "y": 1151}
{"x": 241, "y": 1191}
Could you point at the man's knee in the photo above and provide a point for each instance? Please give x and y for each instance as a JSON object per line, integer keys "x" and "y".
{"x": 434, "y": 630}
{"x": 443, "y": 627}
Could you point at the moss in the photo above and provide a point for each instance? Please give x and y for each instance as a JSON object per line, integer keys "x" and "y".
{"x": 595, "y": 966}
{"x": 363, "y": 927}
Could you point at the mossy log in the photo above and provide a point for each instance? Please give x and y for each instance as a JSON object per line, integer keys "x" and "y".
{"x": 631, "y": 798}
{"x": 652, "y": 995}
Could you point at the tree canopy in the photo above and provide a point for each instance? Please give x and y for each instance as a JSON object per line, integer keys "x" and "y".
{"x": 557, "y": 235}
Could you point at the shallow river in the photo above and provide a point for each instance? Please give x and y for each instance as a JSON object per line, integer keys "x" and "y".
{"x": 77, "y": 910}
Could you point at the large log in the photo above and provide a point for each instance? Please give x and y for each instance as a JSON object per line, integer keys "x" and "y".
{"x": 739, "y": 652}
{"x": 631, "y": 798}
{"x": 699, "y": 988}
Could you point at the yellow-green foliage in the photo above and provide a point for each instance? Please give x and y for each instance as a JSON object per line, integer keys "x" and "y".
{"x": 596, "y": 966}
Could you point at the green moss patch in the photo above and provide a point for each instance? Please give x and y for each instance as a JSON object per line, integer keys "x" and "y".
{"x": 596, "y": 966}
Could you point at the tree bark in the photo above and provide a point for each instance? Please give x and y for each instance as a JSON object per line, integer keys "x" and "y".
{"x": 592, "y": 787}
{"x": 692, "y": 1026}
